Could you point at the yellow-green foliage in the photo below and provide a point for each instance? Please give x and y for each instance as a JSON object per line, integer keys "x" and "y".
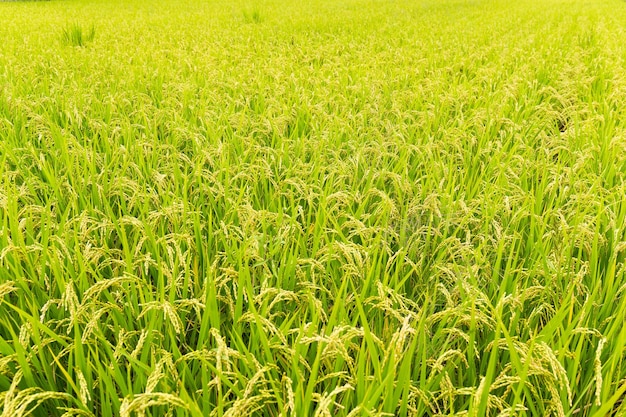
{"x": 312, "y": 208}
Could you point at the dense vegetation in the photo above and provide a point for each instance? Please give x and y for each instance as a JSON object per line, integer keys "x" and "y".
{"x": 346, "y": 208}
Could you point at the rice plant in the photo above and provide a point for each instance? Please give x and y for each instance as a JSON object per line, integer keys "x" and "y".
{"x": 252, "y": 15}
{"x": 74, "y": 34}
{"x": 355, "y": 208}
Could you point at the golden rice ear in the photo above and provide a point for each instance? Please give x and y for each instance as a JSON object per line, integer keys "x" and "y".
{"x": 325, "y": 400}
{"x": 598, "y": 371}
{"x": 7, "y": 288}
{"x": 21, "y": 402}
{"x": 290, "y": 405}
{"x": 85, "y": 390}
{"x": 137, "y": 405}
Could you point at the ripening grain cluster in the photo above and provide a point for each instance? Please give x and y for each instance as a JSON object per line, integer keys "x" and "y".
{"x": 312, "y": 208}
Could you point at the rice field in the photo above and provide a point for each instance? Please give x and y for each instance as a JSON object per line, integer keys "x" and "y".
{"x": 318, "y": 208}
